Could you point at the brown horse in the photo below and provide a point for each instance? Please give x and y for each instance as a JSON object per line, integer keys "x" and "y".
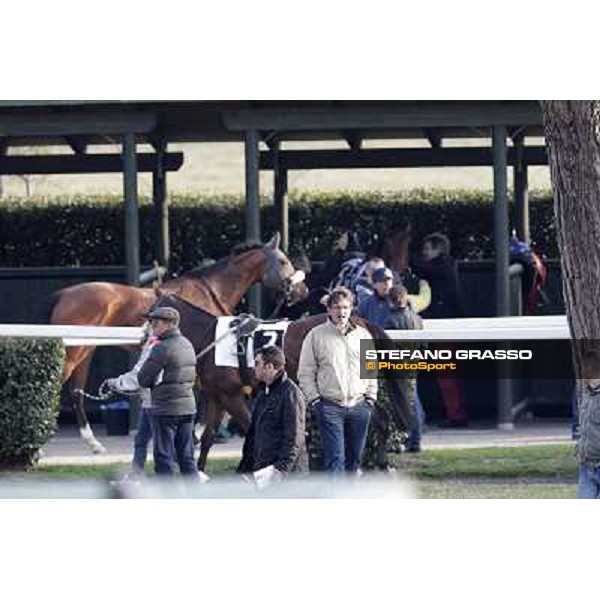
{"x": 216, "y": 289}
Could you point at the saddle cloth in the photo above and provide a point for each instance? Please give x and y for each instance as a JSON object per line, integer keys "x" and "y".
{"x": 266, "y": 334}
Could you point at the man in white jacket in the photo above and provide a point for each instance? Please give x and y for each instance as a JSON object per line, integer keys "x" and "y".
{"x": 329, "y": 375}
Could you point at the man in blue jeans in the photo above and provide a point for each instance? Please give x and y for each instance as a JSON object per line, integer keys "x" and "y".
{"x": 588, "y": 444}
{"x": 329, "y": 375}
{"x": 170, "y": 373}
{"x": 128, "y": 383}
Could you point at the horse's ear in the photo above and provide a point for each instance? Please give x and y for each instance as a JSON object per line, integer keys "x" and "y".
{"x": 274, "y": 241}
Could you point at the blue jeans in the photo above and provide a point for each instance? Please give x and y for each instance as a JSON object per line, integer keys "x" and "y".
{"x": 343, "y": 433}
{"x": 575, "y": 418}
{"x": 174, "y": 444}
{"x": 141, "y": 440}
{"x": 416, "y": 431}
{"x": 589, "y": 482}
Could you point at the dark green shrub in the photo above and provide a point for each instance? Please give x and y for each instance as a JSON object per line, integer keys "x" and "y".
{"x": 30, "y": 382}
{"x": 88, "y": 231}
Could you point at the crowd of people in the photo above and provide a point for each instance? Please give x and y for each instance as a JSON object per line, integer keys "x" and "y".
{"x": 329, "y": 382}
{"x": 330, "y": 389}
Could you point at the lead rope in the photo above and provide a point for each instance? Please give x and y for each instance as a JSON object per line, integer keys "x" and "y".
{"x": 224, "y": 335}
{"x": 103, "y": 393}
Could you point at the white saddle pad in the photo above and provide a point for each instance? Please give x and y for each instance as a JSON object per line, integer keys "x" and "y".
{"x": 266, "y": 334}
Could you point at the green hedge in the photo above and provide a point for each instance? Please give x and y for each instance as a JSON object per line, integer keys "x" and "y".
{"x": 30, "y": 382}
{"x": 82, "y": 231}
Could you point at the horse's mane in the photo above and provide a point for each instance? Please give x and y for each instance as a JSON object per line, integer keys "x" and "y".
{"x": 196, "y": 272}
{"x": 199, "y": 271}
{"x": 179, "y": 302}
{"x": 246, "y": 247}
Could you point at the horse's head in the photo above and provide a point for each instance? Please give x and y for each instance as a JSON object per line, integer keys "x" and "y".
{"x": 395, "y": 246}
{"x": 280, "y": 275}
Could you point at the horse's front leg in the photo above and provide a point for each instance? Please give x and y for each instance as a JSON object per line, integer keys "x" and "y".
{"x": 212, "y": 419}
{"x": 77, "y": 382}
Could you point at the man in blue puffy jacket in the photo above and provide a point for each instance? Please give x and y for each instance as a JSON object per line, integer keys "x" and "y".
{"x": 376, "y": 307}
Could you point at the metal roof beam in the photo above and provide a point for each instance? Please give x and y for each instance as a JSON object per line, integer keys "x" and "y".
{"x": 78, "y": 145}
{"x": 434, "y": 137}
{"x": 83, "y": 163}
{"x": 385, "y": 117}
{"x": 270, "y": 138}
{"x": 35, "y": 123}
{"x": 353, "y": 139}
{"x": 158, "y": 142}
{"x": 383, "y": 158}
{"x": 516, "y": 134}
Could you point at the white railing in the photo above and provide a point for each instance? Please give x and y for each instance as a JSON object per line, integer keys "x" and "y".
{"x": 554, "y": 327}
{"x": 76, "y": 335}
{"x": 493, "y": 328}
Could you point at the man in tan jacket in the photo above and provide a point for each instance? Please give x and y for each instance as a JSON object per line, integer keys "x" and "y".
{"x": 329, "y": 375}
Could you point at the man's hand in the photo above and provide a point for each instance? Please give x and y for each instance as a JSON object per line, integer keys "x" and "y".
{"x": 314, "y": 402}
{"x": 370, "y": 401}
{"x": 111, "y": 384}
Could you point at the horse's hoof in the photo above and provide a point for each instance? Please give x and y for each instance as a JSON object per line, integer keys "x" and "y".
{"x": 98, "y": 449}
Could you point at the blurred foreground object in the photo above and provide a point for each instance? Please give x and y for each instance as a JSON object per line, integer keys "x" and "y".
{"x": 385, "y": 487}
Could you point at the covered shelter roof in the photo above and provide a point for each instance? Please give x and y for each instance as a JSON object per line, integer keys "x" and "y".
{"x": 45, "y": 122}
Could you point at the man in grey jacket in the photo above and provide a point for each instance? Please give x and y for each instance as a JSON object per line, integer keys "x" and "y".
{"x": 173, "y": 405}
{"x": 588, "y": 445}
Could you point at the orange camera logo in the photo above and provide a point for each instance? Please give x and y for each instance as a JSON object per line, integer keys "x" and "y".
{"x": 370, "y": 366}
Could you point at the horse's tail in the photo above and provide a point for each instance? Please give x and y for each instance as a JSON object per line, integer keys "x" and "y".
{"x": 43, "y": 310}
{"x": 400, "y": 403}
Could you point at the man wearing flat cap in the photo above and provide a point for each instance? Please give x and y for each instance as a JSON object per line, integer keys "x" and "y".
{"x": 170, "y": 373}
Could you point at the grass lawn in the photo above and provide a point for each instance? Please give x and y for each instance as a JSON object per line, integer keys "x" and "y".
{"x": 548, "y": 461}
{"x": 500, "y": 490}
{"x": 548, "y": 471}
{"x": 522, "y": 472}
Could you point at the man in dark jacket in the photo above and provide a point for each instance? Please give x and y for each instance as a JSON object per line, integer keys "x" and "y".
{"x": 402, "y": 316}
{"x": 439, "y": 268}
{"x": 276, "y": 435}
{"x": 170, "y": 373}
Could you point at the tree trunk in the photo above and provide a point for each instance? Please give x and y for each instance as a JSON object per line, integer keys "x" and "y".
{"x": 572, "y": 137}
